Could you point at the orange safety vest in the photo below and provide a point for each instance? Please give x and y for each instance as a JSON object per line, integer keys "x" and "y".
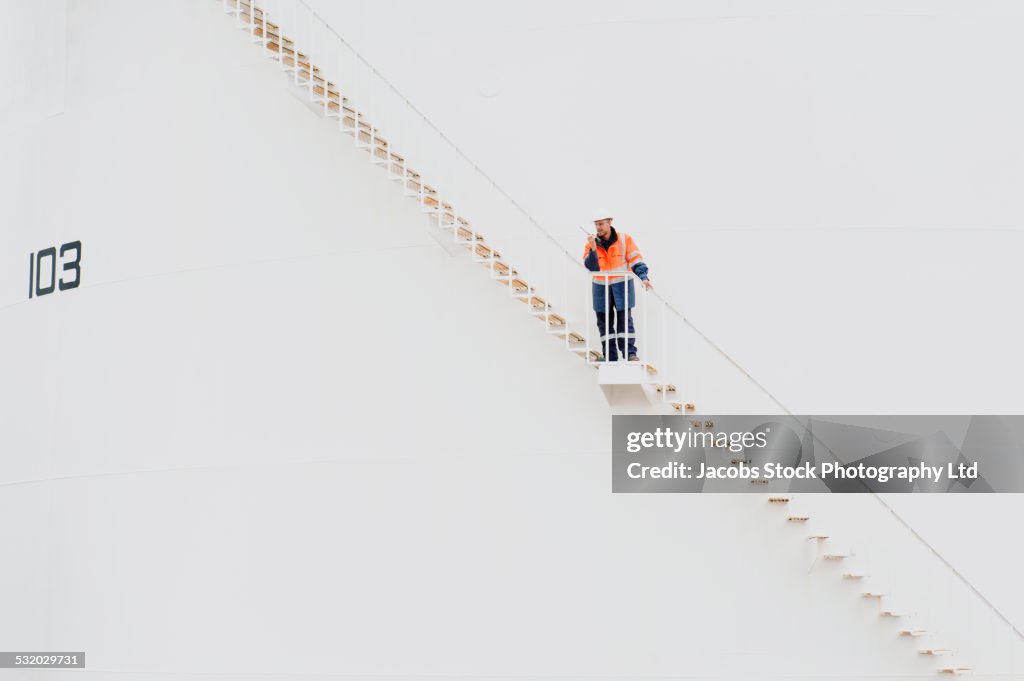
{"x": 621, "y": 254}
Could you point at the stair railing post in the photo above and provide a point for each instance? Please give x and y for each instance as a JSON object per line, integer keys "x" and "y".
{"x": 421, "y": 194}
{"x": 565, "y": 297}
{"x": 665, "y": 352}
{"x": 373, "y": 128}
{"x": 625, "y": 300}
{"x": 264, "y": 33}
{"x": 357, "y": 90}
{"x": 312, "y": 52}
{"x": 605, "y": 350}
{"x": 586, "y": 317}
{"x": 405, "y": 174}
{"x": 295, "y": 43}
{"x": 625, "y": 297}
{"x": 618, "y": 331}
{"x": 327, "y": 83}
{"x": 627, "y": 284}
{"x": 339, "y": 74}
{"x": 402, "y": 127}
{"x": 627, "y": 279}
{"x": 409, "y": 136}
{"x": 647, "y": 338}
{"x": 547, "y": 300}
{"x": 280, "y": 45}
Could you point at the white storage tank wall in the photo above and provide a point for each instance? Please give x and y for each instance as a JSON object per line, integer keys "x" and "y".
{"x": 829, "y": 191}
{"x": 279, "y": 430}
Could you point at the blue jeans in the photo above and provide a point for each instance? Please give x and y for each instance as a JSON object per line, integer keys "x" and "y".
{"x": 618, "y": 340}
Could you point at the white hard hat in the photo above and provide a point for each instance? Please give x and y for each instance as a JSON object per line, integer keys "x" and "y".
{"x": 601, "y": 214}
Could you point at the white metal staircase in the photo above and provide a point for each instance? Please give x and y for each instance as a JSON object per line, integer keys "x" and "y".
{"x": 627, "y": 385}
{"x": 829, "y": 552}
{"x": 530, "y": 264}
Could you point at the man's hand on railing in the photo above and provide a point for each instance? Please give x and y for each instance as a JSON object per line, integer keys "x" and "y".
{"x": 648, "y": 285}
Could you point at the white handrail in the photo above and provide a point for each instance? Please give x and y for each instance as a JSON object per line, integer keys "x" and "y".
{"x": 630, "y": 281}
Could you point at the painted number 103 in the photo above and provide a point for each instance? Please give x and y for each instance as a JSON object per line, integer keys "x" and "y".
{"x": 70, "y": 258}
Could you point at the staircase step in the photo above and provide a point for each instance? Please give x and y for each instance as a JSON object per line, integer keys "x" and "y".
{"x": 501, "y": 273}
{"x": 536, "y": 302}
{"x": 503, "y": 270}
{"x": 521, "y": 289}
{"x": 486, "y": 252}
{"x": 555, "y": 320}
{"x": 272, "y": 33}
{"x": 589, "y": 355}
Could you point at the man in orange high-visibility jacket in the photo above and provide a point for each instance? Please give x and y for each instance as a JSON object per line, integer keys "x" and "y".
{"x": 614, "y": 298}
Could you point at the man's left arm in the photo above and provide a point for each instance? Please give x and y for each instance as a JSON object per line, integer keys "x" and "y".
{"x": 636, "y": 262}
